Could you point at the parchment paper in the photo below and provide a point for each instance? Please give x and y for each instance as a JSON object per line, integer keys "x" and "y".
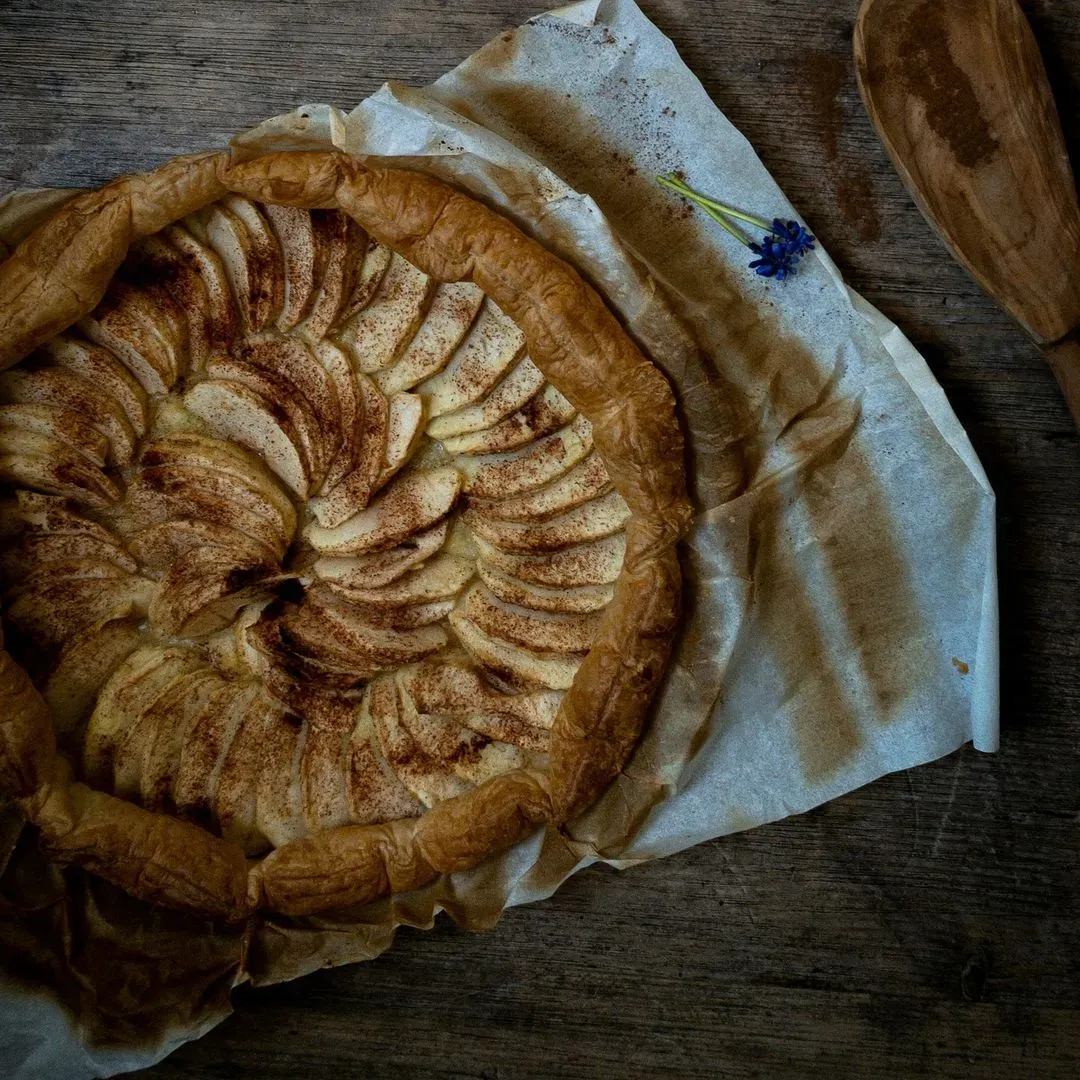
{"x": 841, "y": 571}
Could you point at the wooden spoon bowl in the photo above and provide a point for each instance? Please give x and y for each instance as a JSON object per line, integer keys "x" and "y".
{"x": 959, "y": 95}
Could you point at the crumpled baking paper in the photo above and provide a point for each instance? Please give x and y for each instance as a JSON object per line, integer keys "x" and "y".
{"x": 841, "y": 571}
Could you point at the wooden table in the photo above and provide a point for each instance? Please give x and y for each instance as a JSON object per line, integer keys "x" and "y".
{"x": 927, "y": 925}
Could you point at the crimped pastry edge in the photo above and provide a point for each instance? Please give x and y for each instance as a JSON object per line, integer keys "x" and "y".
{"x": 61, "y": 271}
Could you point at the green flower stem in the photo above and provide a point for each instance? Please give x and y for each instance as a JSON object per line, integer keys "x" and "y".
{"x": 692, "y": 196}
{"x": 708, "y": 204}
{"x": 720, "y": 220}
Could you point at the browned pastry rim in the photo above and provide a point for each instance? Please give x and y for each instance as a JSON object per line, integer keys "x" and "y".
{"x": 61, "y": 271}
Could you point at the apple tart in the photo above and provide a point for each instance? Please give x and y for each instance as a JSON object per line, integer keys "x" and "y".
{"x": 338, "y": 535}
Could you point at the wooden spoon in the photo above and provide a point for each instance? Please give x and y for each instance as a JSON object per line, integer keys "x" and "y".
{"x": 959, "y": 95}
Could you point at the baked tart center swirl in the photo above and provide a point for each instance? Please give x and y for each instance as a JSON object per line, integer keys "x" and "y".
{"x": 299, "y": 537}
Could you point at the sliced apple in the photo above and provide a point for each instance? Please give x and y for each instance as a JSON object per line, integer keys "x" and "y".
{"x": 374, "y": 791}
{"x": 490, "y": 349}
{"x": 382, "y": 567}
{"x": 455, "y": 689}
{"x": 296, "y": 363}
{"x": 154, "y": 269}
{"x": 268, "y": 264}
{"x": 499, "y": 476}
{"x": 300, "y": 251}
{"x": 537, "y": 631}
{"x": 171, "y": 418}
{"x": 257, "y": 745}
{"x": 332, "y": 630}
{"x": 350, "y": 410}
{"x": 194, "y": 450}
{"x": 31, "y": 512}
{"x": 213, "y": 483}
{"x": 86, "y": 663}
{"x": 149, "y": 721}
{"x": 516, "y": 666}
{"x": 286, "y": 667}
{"x": 593, "y": 520}
{"x": 502, "y": 475}
{"x": 245, "y": 243}
{"x": 308, "y": 674}
{"x": 585, "y": 481}
{"x": 36, "y": 550}
{"x": 132, "y": 688}
{"x": 155, "y": 265}
{"x": 203, "y": 590}
{"x": 157, "y": 311}
{"x": 255, "y": 635}
{"x": 224, "y": 469}
{"x": 379, "y": 334}
{"x": 353, "y": 493}
{"x": 405, "y": 428}
{"x": 101, "y": 368}
{"x": 158, "y": 546}
{"x": 405, "y": 617}
{"x": 414, "y": 503}
{"x": 222, "y": 316}
{"x": 323, "y": 766}
{"x": 596, "y": 563}
{"x": 299, "y": 687}
{"x": 428, "y": 781}
{"x": 272, "y": 651}
{"x": 65, "y": 390}
{"x": 128, "y": 325}
{"x": 140, "y": 288}
{"x": 439, "y": 578}
{"x": 342, "y": 243}
{"x": 372, "y": 269}
{"x": 233, "y": 411}
{"x": 522, "y": 382}
{"x": 149, "y": 751}
{"x": 579, "y": 599}
{"x": 227, "y": 650}
{"x": 453, "y": 310}
{"x": 34, "y": 461}
{"x": 203, "y": 754}
{"x": 278, "y": 794}
{"x": 288, "y": 671}
{"x": 295, "y": 413}
{"x": 67, "y": 570}
{"x": 471, "y": 756}
{"x": 109, "y": 718}
{"x": 63, "y": 425}
{"x": 153, "y": 498}
{"x": 169, "y": 724}
{"x": 541, "y": 415}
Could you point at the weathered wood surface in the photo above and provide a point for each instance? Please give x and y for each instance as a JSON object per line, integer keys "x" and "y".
{"x": 927, "y": 925}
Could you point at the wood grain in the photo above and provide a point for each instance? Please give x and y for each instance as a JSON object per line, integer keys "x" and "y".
{"x": 927, "y": 925}
{"x": 960, "y": 98}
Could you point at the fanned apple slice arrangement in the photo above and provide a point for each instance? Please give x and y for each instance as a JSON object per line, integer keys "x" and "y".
{"x": 300, "y": 537}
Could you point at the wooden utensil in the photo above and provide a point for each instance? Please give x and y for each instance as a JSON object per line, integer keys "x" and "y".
{"x": 959, "y": 95}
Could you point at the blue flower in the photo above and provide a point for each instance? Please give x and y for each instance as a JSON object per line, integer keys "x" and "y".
{"x": 796, "y": 240}
{"x": 779, "y": 251}
{"x": 774, "y": 260}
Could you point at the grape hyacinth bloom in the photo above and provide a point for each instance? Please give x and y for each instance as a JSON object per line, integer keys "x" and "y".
{"x": 796, "y": 240}
{"x": 780, "y": 249}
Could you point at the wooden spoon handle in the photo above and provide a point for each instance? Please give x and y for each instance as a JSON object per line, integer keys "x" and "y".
{"x": 1064, "y": 360}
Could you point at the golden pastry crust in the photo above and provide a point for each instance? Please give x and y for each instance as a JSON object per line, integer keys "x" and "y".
{"x": 63, "y": 269}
